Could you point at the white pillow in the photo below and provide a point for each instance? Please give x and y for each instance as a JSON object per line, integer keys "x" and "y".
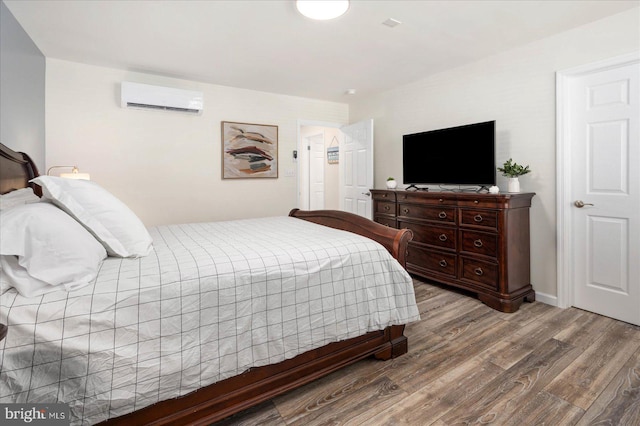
{"x": 18, "y": 198}
{"x": 43, "y": 248}
{"x": 107, "y": 218}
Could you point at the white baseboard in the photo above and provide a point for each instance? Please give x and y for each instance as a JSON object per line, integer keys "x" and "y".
{"x": 546, "y": 298}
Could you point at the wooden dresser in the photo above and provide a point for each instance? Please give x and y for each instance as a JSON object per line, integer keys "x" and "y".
{"x": 477, "y": 242}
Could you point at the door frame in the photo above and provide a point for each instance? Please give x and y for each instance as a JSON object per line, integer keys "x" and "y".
{"x": 300, "y": 147}
{"x": 564, "y": 217}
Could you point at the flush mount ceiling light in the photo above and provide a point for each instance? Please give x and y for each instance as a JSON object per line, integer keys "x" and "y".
{"x": 322, "y": 9}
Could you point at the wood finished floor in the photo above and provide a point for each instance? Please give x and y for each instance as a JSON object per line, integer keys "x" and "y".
{"x": 469, "y": 364}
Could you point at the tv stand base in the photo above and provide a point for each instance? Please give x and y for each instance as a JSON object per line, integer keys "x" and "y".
{"x": 416, "y": 188}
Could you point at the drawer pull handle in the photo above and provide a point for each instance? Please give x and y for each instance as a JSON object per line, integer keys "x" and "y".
{"x": 386, "y": 208}
{"x": 475, "y": 201}
{"x": 478, "y": 243}
{"x": 478, "y": 271}
{"x": 443, "y": 263}
{"x": 405, "y": 210}
{"x": 442, "y": 215}
{"x": 385, "y": 195}
{"x": 477, "y": 218}
{"x": 441, "y": 200}
{"x": 442, "y": 237}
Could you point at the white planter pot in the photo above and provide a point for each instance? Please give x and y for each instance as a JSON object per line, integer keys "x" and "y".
{"x": 514, "y": 185}
{"x": 392, "y": 184}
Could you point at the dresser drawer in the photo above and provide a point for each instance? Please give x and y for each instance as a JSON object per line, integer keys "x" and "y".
{"x": 483, "y": 201}
{"x": 388, "y": 221}
{"x": 384, "y": 195}
{"x": 479, "y": 243}
{"x": 437, "y": 236}
{"x": 419, "y": 211}
{"x": 383, "y": 207}
{"x": 422, "y": 260}
{"x": 426, "y": 198}
{"x": 479, "y": 272}
{"x": 479, "y": 218}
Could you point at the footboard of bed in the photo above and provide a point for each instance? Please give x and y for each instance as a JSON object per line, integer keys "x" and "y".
{"x": 394, "y": 240}
{"x": 230, "y": 396}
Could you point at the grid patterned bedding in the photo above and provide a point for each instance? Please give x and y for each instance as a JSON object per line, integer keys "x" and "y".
{"x": 210, "y": 301}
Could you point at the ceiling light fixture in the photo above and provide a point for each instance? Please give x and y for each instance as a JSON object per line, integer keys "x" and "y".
{"x": 322, "y": 10}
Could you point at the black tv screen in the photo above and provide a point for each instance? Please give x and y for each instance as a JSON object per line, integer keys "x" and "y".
{"x": 463, "y": 155}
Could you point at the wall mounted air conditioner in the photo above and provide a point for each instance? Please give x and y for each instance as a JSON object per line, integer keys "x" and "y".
{"x": 136, "y": 95}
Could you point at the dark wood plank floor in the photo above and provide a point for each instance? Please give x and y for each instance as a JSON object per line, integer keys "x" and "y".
{"x": 469, "y": 364}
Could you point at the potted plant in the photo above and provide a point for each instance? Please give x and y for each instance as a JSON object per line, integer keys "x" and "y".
{"x": 513, "y": 170}
{"x": 391, "y": 183}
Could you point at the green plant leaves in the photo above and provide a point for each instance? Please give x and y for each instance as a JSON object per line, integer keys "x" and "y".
{"x": 512, "y": 169}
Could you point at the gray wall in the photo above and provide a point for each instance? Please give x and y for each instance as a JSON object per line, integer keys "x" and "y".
{"x": 22, "y": 84}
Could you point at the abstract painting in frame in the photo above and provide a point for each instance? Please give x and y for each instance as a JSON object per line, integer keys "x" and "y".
{"x": 249, "y": 150}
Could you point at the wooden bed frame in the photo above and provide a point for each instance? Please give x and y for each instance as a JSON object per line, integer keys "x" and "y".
{"x": 227, "y": 397}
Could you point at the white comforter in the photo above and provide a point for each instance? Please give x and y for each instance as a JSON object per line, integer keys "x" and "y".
{"x": 210, "y": 301}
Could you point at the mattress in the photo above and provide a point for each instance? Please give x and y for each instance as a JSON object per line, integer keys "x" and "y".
{"x": 211, "y": 301}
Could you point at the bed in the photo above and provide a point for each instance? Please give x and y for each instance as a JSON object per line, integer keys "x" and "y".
{"x": 214, "y": 396}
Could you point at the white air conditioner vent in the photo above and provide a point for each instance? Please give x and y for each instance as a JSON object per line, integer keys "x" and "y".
{"x": 146, "y": 96}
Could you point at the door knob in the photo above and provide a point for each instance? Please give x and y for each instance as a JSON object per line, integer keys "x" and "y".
{"x": 580, "y": 204}
{"x": 368, "y": 194}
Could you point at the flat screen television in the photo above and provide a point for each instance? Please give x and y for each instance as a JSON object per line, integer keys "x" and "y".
{"x": 463, "y": 155}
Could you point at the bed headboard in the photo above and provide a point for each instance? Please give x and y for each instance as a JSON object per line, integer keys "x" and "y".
{"x": 16, "y": 169}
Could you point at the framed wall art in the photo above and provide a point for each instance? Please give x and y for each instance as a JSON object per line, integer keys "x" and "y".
{"x": 333, "y": 155}
{"x": 249, "y": 150}
{"x": 333, "y": 151}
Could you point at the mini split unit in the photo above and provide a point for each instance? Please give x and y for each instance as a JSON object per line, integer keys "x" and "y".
{"x": 145, "y": 96}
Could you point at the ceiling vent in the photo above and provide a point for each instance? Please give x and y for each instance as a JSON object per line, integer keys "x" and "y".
{"x": 145, "y": 96}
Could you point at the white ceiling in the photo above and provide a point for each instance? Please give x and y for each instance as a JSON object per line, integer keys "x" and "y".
{"x": 267, "y": 46}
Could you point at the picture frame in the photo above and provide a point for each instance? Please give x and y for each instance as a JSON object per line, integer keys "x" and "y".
{"x": 249, "y": 151}
{"x": 333, "y": 155}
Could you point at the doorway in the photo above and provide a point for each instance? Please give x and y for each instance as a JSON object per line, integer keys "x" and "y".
{"x": 318, "y": 179}
{"x": 598, "y": 153}
{"x": 344, "y": 183}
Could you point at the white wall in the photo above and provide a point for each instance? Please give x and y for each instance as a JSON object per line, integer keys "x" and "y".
{"x": 167, "y": 166}
{"x": 515, "y": 88}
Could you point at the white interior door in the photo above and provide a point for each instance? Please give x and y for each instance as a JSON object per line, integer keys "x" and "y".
{"x": 603, "y": 117}
{"x": 356, "y": 168}
{"x": 316, "y": 171}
